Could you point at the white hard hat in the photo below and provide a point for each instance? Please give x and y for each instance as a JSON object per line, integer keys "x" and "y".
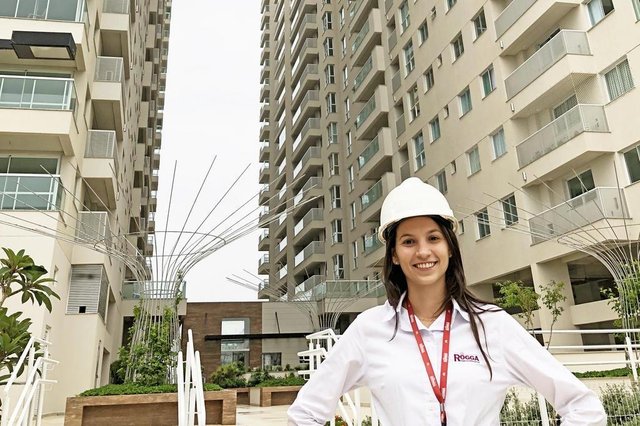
{"x": 412, "y": 198}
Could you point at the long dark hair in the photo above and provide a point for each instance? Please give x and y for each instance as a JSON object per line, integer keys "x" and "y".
{"x": 395, "y": 283}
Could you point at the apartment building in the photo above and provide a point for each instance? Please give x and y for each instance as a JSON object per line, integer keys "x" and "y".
{"x": 519, "y": 111}
{"x": 81, "y": 102}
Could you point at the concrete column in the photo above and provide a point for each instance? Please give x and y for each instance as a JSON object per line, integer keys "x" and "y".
{"x": 543, "y": 274}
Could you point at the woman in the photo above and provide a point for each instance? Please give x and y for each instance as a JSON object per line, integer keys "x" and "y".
{"x": 434, "y": 354}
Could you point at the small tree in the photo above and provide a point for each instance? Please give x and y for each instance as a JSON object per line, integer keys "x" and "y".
{"x": 515, "y": 294}
{"x": 19, "y": 276}
{"x": 625, "y": 301}
{"x": 552, "y": 296}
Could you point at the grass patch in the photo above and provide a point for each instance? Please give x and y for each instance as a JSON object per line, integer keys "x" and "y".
{"x": 134, "y": 389}
{"x": 616, "y": 372}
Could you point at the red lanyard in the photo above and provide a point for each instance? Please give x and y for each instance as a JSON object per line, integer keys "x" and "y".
{"x": 439, "y": 391}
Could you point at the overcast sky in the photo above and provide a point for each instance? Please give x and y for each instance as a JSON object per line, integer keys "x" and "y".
{"x": 211, "y": 109}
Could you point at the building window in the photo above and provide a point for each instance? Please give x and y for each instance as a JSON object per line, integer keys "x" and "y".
{"x": 414, "y": 103}
{"x": 499, "y": 146}
{"x": 598, "y": 9}
{"x": 488, "y": 81}
{"x": 328, "y": 47}
{"x": 353, "y": 215}
{"x": 354, "y": 254}
{"x": 409, "y": 60}
{"x": 457, "y": 47}
{"x": 473, "y": 157}
{"x": 434, "y": 13}
{"x": 434, "y": 129}
{"x": 460, "y": 227}
{"x": 479, "y": 23}
{"x": 465, "y": 101}
{"x": 441, "y": 180}
{"x": 332, "y": 132}
{"x": 619, "y": 80}
{"x": 450, "y": 4}
{"x": 347, "y": 110}
{"x": 509, "y": 210}
{"x": 271, "y": 359}
{"x": 482, "y": 219}
{"x": 418, "y": 145}
{"x": 341, "y": 14}
{"x": 636, "y": 7}
{"x": 423, "y": 32}
{"x": 336, "y": 202}
{"x": 343, "y": 42}
{"x": 349, "y": 143}
{"x": 351, "y": 178}
{"x": 445, "y": 111}
{"x": 405, "y": 20}
{"x": 345, "y": 77}
{"x": 334, "y": 167}
{"x": 236, "y": 349}
{"x": 632, "y": 158}
{"x": 580, "y": 184}
{"x": 428, "y": 79}
{"x": 29, "y": 183}
{"x": 331, "y": 103}
{"x": 338, "y": 267}
{"x": 329, "y": 74}
{"x": 565, "y": 106}
{"x": 327, "y": 21}
{"x": 336, "y": 231}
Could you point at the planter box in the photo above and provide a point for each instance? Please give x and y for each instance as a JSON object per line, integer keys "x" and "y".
{"x": 242, "y": 396}
{"x": 277, "y": 395}
{"x": 141, "y": 410}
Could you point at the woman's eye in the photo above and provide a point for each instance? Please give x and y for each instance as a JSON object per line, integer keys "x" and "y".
{"x": 407, "y": 241}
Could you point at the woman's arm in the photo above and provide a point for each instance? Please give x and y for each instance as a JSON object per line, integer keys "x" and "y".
{"x": 340, "y": 372}
{"x": 533, "y": 365}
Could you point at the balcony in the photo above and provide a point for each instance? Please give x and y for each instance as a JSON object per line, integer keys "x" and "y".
{"x": 311, "y": 162}
{"x": 581, "y": 118}
{"x": 263, "y": 240}
{"x": 93, "y": 229}
{"x": 375, "y": 159}
{"x": 107, "y": 95}
{"x": 309, "y": 28}
{"x": 264, "y": 265}
{"x": 264, "y": 112}
{"x": 264, "y": 174}
{"x": 100, "y": 167}
{"x": 309, "y": 106}
{"x": 370, "y": 75}
{"x": 371, "y": 200}
{"x": 309, "y": 134}
{"x": 299, "y": 10}
{"x": 308, "y": 54}
{"x": 373, "y": 251}
{"x": 43, "y": 106}
{"x": 310, "y": 256}
{"x": 307, "y": 228}
{"x": 30, "y": 192}
{"x": 308, "y": 80}
{"x": 525, "y": 20}
{"x": 396, "y": 81}
{"x": 369, "y": 36}
{"x": 310, "y": 190}
{"x": 264, "y": 93}
{"x": 264, "y": 132}
{"x": 264, "y": 152}
{"x": 373, "y": 115}
{"x": 566, "y": 44}
{"x": 264, "y": 54}
{"x": 358, "y": 12}
{"x": 264, "y": 195}
{"x": 114, "y": 30}
{"x": 579, "y": 212}
{"x": 310, "y": 283}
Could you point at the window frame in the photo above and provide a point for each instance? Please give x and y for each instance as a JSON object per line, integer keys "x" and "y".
{"x": 409, "y": 57}
{"x": 493, "y": 135}
{"x": 617, "y": 69}
{"x": 483, "y": 227}
{"x": 413, "y": 102}
{"x": 420, "y": 157}
{"x": 434, "y": 124}
{"x": 336, "y": 231}
{"x": 509, "y": 210}
{"x": 429, "y": 79}
{"x": 490, "y": 72}
{"x": 336, "y": 196}
{"x": 457, "y": 47}
{"x": 441, "y": 181}
{"x": 478, "y": 30}
{"x": 631, "y": 175}
{"x": 331, "y": 103}
{"x": 464, "y": 102}
{"x": 476, "y": 152}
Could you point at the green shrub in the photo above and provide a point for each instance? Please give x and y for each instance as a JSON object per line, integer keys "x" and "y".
{"x": 616, "y": 372}
{"x": 134, "y": 389}
{"x": 622, "y": 403}
{"x": 290, "y": 380}
{"x": 258, "y": 377}
{"x": 229, "y": 376}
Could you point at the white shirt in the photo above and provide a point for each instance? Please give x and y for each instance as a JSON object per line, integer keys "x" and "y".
{"x": 394, "y": 372}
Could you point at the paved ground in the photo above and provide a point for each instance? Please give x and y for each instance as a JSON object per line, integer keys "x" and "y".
{"x": 246, "y": 416}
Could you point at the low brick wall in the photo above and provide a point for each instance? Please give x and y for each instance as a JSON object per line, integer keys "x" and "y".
{"x": 242, "y": 396}
{"x": 145, "y": 410}
{"x": 278, "y": 395}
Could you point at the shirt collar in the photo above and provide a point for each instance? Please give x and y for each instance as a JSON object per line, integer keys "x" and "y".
{"x": 390, "y": 312}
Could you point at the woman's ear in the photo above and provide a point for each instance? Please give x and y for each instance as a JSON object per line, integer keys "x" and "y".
{"x": 394, "y": 258}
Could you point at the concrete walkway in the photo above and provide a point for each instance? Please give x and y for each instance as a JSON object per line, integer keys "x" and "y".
{"x": 246, "y": 416}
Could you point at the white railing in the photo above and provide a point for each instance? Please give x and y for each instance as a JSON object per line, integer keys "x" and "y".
{"x": 579, "y": 119}
{"x": 190, "y": 389}
{"x": 116, "y": 6}
{"x": 566, "y": 42}
{"x": 35, "y": 366}
{"x": 511, "y": 14}
{"x": 94, "y": 228}
{"x": 109, "y": 69}
{"x": 37, "y": 92}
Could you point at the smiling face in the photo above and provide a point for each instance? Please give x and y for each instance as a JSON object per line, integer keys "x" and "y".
{"x": 422, "y": 253}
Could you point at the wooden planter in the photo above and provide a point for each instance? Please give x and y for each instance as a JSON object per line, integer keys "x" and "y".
{"x": 242, "y": 396}
{"x": 277, "y": 395}
{"x": 141, "y": 410}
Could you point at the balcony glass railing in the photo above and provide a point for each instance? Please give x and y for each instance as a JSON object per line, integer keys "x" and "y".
{"x": 353, "y": 8}
{"x": 368, "y": 152}
{"x": 371, "y": 243}
{"x": 371, "y": 196}
{"x": 313, "y": 182}
{"x": 578, "y": 212}
{"x": 566, "y": 42}
{"x": 579, "y": 119}
{"x": 53, "y": 10}
{"x": 313, "y": 214}
{"x": 395, "y": 81}
{"x": 310, "y": 283}
{"x": 312, "y": 123}
{"x": 315, "y": 247}
{"x": 360, "y": 37}
{"x": 366, "y": 111}
{"x": 393, "y": 40}
{"x": 94, "y": 228}
{"x": 108, "y": 69}
{"x": 405, "y": 171}
{"x": 313, "y": 152}
{"x": 511, "y": 14}
{"x": 282, "y": 272}
{"x": 30, "y": 192}
{"x": 25, "y": 92}
{"x": 401, "y": 125}
{"x": 282, "y": 244}
{"x": 363, "y": 73}
{"x": 120, "y": 6}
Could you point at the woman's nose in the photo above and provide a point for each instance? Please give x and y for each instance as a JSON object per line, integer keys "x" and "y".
{"x": 423, "y": 249}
